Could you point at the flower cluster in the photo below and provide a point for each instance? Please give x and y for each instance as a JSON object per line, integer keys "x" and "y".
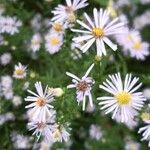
{"x": 42, "y": 116}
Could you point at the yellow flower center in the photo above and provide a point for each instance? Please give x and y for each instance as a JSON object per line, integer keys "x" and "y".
{"x": 98, "y": 32}
{"x": 41, "y": 102}
{"x": 123, "y": 98}
{"x": 71, "y": 17}
{"x": 54, "y": 41}
{"x": 19, "y": 72}
{"x": 35, "y": 42}
{"x": 57, "y": 27}
{"x": 56, "y": 134}
{"x": 137, "y": 45}
{"x": 145, "y": 116}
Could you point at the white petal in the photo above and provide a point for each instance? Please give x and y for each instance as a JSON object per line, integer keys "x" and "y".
{"x": 86, "y": 46}
{"x": 96, "y": 17}
{"x": 88, "y": 71}
{"x": 110, "y": 44}
{"x": 84, "y": 25}
{"x": 72, "y": 76}
{"x": 89, "y": 20}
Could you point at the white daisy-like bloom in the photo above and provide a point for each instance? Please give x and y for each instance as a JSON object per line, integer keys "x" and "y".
{"x": 41, "y": 129}
{"x": 95, "y": 132}
{"x": 146, "y": 132}
{"x": 53, "y": 42}
{"x": 40, "y": 106}
{"x": 6, "y": 81}
{"x": 139, "y": 50}
{"x": 20, "y": 71}
{"x": 98, "y": 31}
{"x": 36, "y": 42}
{"x": 142, "y": 20}
{"x": 125, "y": 101}
{"x": 9, "y": 25}
{"x": 5, "y": 59}
{"x": 58, "y": 27}
{"x": 9, "y": 116}
{"x": 8, "y": 93}
{"x": 83, "y": 87}
{"x": 132, "y": 145}
{"x": 67, "y": 13}
{"x": 20, "y": 141}
{"x": 136, "y": 48}
{"x": 36, "y": 22}
{"x": 60, "y": 133}
{"x": 6, "y": 87}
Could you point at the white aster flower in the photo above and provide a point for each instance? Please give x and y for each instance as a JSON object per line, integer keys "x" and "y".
{"x": 53, "y": 42}
{"x": 95, "y": 132}
{"x": 67, "y": 13}
{"x": 20, "y": 71}
{"x": 136, "y": 48}
{"x": 139, "y": 50}
{"x": 60, "y": 133}
{"x": 8, "y": 93}
{"x": 41, "y": 129}
{"x": 6, "y": 85}
{"x": 142, "y": 20}
{"x": 40, "y": 106}
{"x": 5, "y": 59}
{"x": 58, "y": 27}
{"x": 146, "y": 132}
{"x": 9, "y": 116}
{"x": 98, "y": 31}
{"x": 6, "y": 81}
{"x": 83, "y": 87}
{"x": 20, "y": 141}
{"x": 125, "y": 101}
{"x": 36, "y": 42}
{"x": 9, "y": 25}
{"x": 132, "y": 145}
